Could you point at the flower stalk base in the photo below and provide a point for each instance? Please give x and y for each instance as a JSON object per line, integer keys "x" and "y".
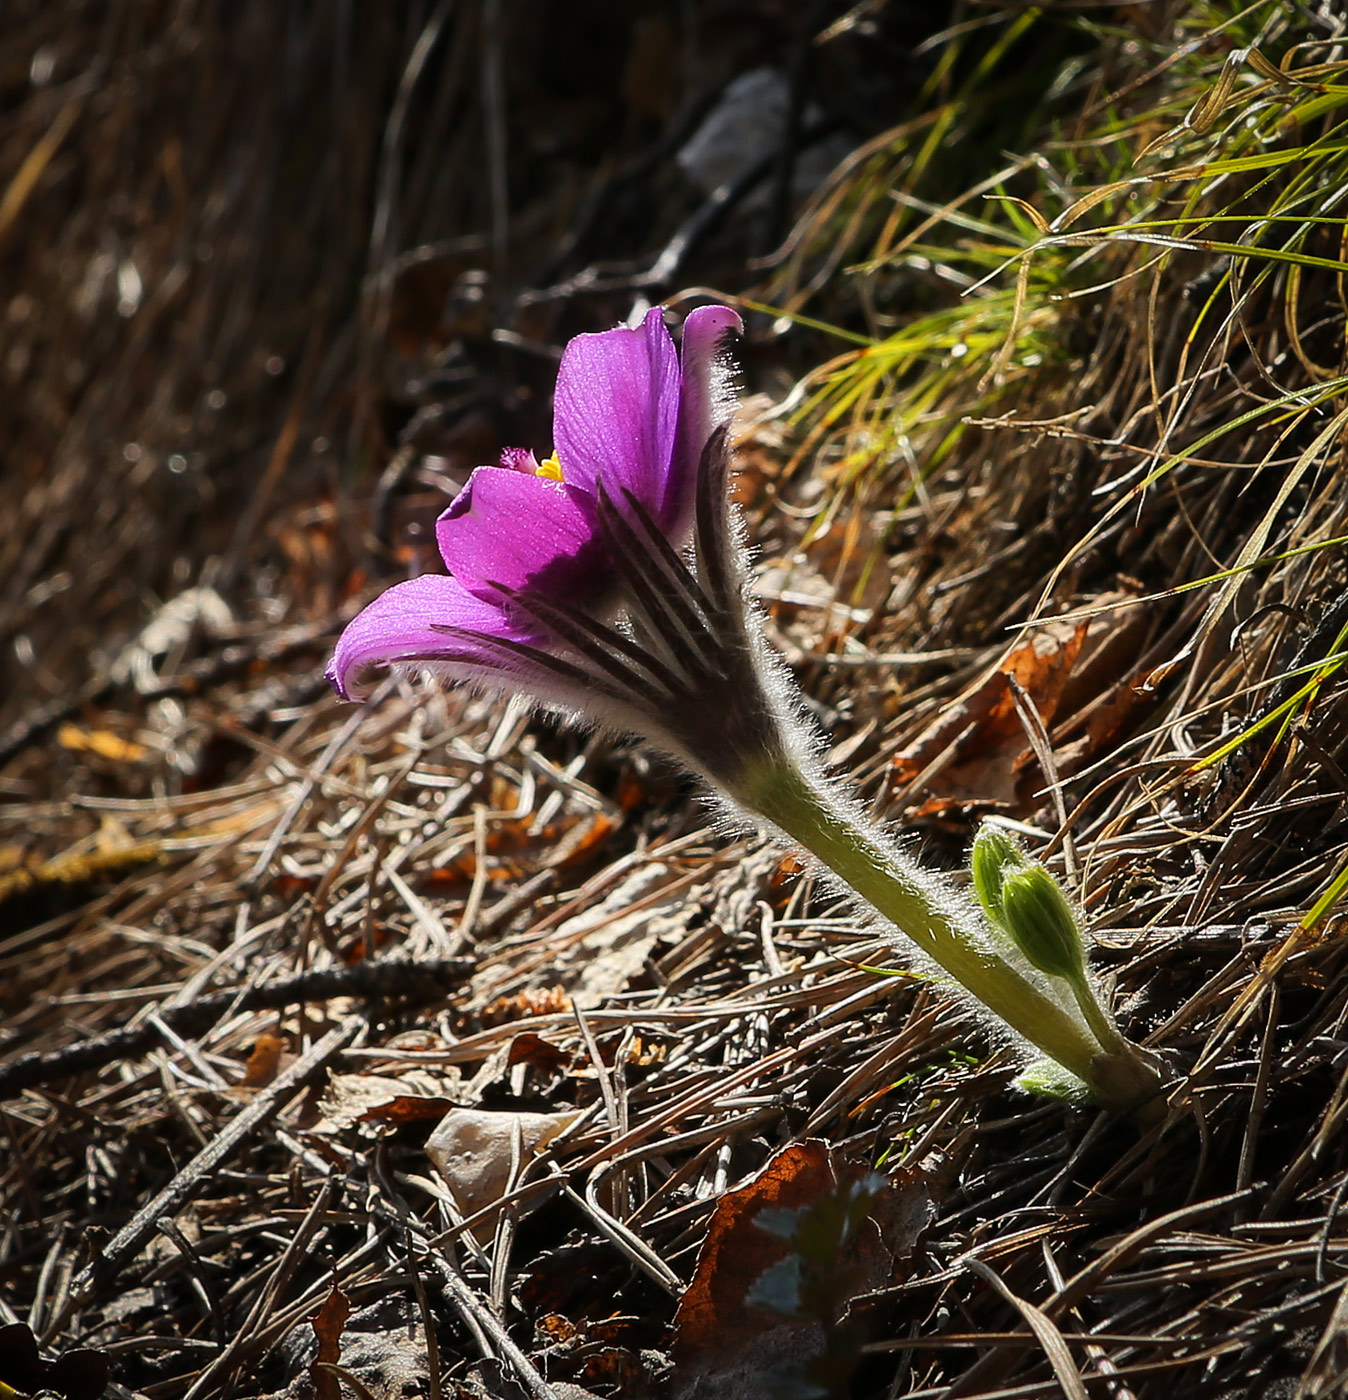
{"x": 1118, "y": 1075}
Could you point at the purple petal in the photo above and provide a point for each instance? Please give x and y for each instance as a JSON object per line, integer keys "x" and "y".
{"x": 706, "y": 400}
{"x": 616, "y": 412}
{"x": 400, "y": 626}
{"x": 521, "y": 531}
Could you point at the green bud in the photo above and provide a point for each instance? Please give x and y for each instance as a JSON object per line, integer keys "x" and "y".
{"x": 995, "y": 856}
{"x": 1036, "y": 914}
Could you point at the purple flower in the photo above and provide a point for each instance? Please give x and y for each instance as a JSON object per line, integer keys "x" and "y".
{"x": 567, "y": 581}
{"x": 608, "y": 580}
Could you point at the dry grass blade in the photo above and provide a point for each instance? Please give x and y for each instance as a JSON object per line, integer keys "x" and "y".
{"x": 1048, "y": 1336}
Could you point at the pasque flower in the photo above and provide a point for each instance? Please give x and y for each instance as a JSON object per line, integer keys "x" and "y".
{"x": 567, "y": 580}
{"x": 608, "y": 580}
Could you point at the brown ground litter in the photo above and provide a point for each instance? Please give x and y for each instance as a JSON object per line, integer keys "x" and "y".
{"x": 273, "y": 274}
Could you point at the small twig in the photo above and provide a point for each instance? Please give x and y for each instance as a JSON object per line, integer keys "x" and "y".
{"x": 395, "y": 977}
{"x": 473, "y": 1309}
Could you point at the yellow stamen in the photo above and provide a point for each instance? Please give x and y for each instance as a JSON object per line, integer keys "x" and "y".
{"x": 551, "y": 468}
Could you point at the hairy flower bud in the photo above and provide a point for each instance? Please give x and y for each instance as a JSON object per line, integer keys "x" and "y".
{"x": 1035, "y": 912}
{"x": 995, "y": 856}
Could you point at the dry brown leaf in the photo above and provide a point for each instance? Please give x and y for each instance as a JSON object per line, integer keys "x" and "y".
{"x": 328, "y": 1324}
{"x": 607, "y": 947}
{"x": 556, "y": 1330}
{"x": 978, "y": 745}
{"x": 380, "y": 1098}
{"x": 264, "y": 1061}
{"x": 582, "y": 841}
{"x": 531, "y": 1049}
{"x": 713, "y": 1316}
{"x": 727, "y": 1343}
{"x": 407, "y": 1108}
{"x": 789, "y": 869}
{"x": 1078, "y": 673}
{"x": 358, "y": 946}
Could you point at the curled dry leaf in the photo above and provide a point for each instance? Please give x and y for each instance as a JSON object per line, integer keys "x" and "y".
{"x": 350, "y": 1099}
{"x": 264, "y": 1061}
{"x": 473, "y": 1149}
{"x": 543, "y": 1055}
{"x": 780, "y": 1269}
{"x": 1078, "y": 674}
{"x": 973, "y": 752}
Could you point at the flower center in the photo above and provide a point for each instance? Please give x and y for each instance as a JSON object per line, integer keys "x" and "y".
{"x": 551, "y": 468}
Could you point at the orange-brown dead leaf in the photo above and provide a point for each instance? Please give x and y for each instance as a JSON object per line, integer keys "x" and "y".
{"x": 638, "y": 788}
{"x": 714, "y": 1316}
{"x": 356, "y": 584}
{"x": 585, "y": 839}
{"x": 729, "y": 1339}
{"x": 975, "y": 751}
{"x": 1078, "y": 674}
{"x": 759, "y": 440}
{"x": 556, "y": 1330}
{"x": 407, "y": 1108}
{"x": 543, "y": 1055}
{"x": 328, "y": 1324}
{"x": 850, "y": 555}
{"x": 789, "y": 869}
{"x": 381, "y": 1098}
{"x": 264, "y": 1061}
{"x": 1106, "y": 688}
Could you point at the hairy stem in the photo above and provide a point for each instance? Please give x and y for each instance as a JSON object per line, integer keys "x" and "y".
{"x": 805, "y": 812}
{"x": 1097, "y": 1019}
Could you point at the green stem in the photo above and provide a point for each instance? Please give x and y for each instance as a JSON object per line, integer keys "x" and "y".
{"x": 782, "y": 794}
{"x": 1101, "y": 1026}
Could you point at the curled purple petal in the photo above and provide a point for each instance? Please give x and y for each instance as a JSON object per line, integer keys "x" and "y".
{"x": 520, "y": 531}
{"x": 706, "y": 401}
{"x": 615, "y": 413}
{"x": 400, "y": 625}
